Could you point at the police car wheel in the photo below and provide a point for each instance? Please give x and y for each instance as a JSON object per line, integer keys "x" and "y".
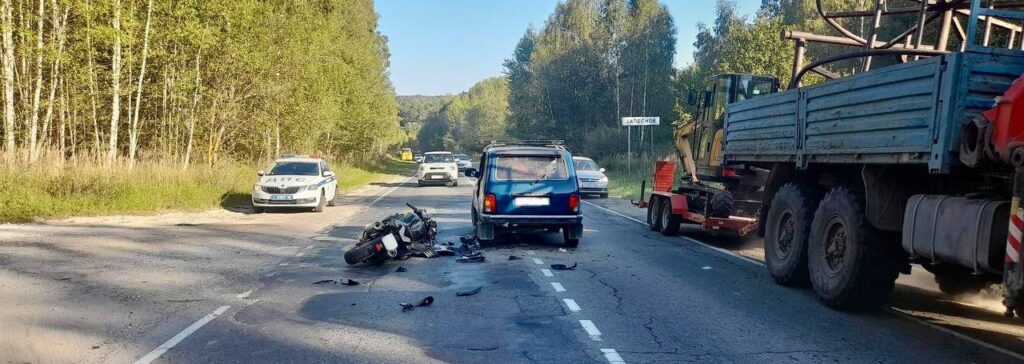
{"x": 320, "y": 205}
{"x": 332, "y": 202}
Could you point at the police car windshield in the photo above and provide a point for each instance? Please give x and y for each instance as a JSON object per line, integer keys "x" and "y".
{"x": 294, "y": 169}
{"x": 438, "y": 158}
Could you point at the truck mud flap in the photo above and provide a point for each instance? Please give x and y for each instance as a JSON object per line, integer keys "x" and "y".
{"x": 1013, "y": 268}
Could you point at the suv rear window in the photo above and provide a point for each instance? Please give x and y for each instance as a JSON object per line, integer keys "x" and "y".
{"x": 530, "y": 168}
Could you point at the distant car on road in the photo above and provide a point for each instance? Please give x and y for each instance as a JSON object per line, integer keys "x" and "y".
{"x": 295, "y": 182}
{"x": 526, "y": 185}
{"x": 591, "y": 177}
{"x": 463, "y": 162}
{"x": 438, "y": 168}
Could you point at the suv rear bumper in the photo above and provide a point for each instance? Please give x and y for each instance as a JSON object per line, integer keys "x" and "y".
{"x": 532, "y": 219}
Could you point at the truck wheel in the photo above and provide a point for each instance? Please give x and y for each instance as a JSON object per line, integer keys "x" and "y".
{"x": 787, "y": 228}
{"x": 669, "y": 221}
{"x": 320, "y": 205}
{"x": 653, "y": 214}
{"x": 850, "y": 266}
{"x": 722, "y": 204}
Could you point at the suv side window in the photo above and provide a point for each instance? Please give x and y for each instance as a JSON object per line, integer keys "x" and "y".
{"x": 324, "y": 167}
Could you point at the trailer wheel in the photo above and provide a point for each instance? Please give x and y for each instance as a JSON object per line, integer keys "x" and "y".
{"x": 787, "y": 228}
{"x": 669, "y": 221}
{"x": 653, "y": 214}
{"x": 850, "y": 267}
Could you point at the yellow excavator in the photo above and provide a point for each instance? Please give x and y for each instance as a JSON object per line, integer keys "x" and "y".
{"x": 714, "y": 189}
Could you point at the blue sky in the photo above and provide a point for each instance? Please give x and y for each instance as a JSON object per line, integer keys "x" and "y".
{"x": 445, "y": 46}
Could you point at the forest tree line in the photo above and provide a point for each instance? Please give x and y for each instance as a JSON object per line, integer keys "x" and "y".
{"x": 193, "y": 81}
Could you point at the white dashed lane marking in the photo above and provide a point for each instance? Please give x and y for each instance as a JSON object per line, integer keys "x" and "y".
{"x": 167, "y": 345}
{"x": 537, "y": 261}
{"x": 591, "y": 330}
{"x": 571, "y": 304}
{"x": 612, "y": 356}
{"x": 547, "y": 272}
{"x": 558, "y": 287}
{"x": 246, "y": 294}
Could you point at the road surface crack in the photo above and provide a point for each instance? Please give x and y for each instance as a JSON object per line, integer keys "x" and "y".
{"x": 650, "y": 329}
{"x": 615, "y": 291}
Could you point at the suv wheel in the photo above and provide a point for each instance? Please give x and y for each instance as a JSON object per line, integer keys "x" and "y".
{"x": 570, "y": 242}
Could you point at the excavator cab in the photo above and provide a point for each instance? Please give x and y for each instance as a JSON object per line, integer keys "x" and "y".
{"x": 706, "y": 138}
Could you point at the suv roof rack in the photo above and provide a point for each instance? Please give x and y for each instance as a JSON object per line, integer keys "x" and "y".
{"x": 555, "y": 143}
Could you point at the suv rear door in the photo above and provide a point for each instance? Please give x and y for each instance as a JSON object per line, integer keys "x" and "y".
{"x": 533, "y": 183}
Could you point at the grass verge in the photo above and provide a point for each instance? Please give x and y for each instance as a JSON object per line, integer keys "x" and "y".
{"x": 88, "y": 189}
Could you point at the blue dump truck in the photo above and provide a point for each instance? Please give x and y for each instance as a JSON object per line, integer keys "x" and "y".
{"x": 918, "y": 162}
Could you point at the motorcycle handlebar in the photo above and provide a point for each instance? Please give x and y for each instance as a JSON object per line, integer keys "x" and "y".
{"x": 416, "y": 210}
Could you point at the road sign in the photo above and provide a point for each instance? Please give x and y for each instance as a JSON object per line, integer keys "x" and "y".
{"x": 641, "y": 121}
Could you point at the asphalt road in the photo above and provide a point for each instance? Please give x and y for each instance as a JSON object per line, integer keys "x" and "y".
{"x": 636, "y": 297}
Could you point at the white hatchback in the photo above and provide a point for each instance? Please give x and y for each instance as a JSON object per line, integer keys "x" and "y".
{"x": 295, "y": 183}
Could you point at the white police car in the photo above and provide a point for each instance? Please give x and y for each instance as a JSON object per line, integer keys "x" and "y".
{"x": 295, "y": 182}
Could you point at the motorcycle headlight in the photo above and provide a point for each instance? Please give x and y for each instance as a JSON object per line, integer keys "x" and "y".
{"x": 603, "y": 179}
{"x": 312, "y": 187}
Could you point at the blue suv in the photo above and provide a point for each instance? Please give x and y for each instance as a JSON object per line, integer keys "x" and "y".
{"x": 526, "y": 185}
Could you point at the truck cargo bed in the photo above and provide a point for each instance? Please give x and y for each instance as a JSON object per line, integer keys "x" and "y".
{"x": 909, "y": 113}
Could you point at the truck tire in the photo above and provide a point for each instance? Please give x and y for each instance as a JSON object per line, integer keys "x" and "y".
{"x": 787, "y": 228}
{"x": 722, "y": 205}
{"x": 850, "y": 266}
{"x": 669, "y": 221}
{"x": 654, "y": 214}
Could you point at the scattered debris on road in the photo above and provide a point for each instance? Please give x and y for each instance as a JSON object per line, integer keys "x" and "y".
{"x": 349, "y": 282}
{"x": 323, "y": 281}
{"x": 563, "y": 266}
{"x": 426, "y": 301}
{"x": 473, "y": 257}
{"x": 401, "y": 269}
{"x": 513, "y": 257}
{"x": 470, "y": 292}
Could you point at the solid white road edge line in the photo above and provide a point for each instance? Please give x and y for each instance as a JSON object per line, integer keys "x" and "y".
{"x": 612, "y": 356}
{"x": 902, "y": 313}
{"x": 160, "y": 350}
{"x": 537, "y": 261}
{"x": 591, "y": 330}
{"x": 547, "y": 272}
{"x": 571, "y": 304}
{"x": 712, "y": 247}
{"x": 907, "y": 315}
{"x": 389, "y": 191}
{"x": 557, "y": 286}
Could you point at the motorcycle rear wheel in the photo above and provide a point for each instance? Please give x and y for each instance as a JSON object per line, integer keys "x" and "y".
{"x": 362, "y": 253}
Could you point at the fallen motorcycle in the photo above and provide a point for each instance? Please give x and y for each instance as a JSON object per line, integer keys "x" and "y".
{"x": 397, "y": 236}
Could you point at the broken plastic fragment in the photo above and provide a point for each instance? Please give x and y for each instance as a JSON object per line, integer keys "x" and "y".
{"x": 474, "y": 257}
{"x": 563, "y": 266}
{"x": 470, "y": 292}
{"x": 426, "y": 301}
{"x": 401, "y": 269}
{"x": 349, "y": 282}
{"x": 322, "y": 281}
{"x": 513, "y": 257}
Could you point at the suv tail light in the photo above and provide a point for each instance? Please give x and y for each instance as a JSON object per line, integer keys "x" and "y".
{"x": 574, "y": 203}
{"x": 489, "y": 204}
